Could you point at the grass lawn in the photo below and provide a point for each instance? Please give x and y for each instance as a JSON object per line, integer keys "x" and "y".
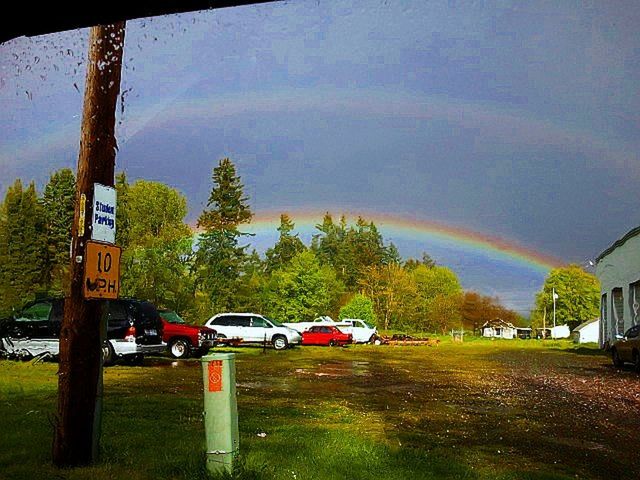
{"x": 479, "y": 410}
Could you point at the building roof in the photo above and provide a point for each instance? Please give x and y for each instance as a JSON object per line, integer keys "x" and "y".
{"x": 630, "y": 234}
{"x": 498, "y": 322}
{"x": 584, "y": 324}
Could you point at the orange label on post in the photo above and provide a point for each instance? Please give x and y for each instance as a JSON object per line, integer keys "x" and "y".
{"x": 101, "y": 271}
{"x": 215, "y": 376}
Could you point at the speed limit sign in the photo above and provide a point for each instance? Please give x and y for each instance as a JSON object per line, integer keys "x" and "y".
{"x": 101, "y": 271}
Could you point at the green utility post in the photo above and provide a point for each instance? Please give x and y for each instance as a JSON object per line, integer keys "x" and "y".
{"x": 220, "y": 411}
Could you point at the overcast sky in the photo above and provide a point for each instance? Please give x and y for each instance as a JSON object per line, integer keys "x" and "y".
{"x": 515, "y": 119}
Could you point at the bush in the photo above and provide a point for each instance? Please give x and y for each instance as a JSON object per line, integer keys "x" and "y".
{"x": 360, "y": 307}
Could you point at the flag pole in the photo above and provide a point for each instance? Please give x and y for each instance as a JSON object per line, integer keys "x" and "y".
{"x": 554, "y": 307}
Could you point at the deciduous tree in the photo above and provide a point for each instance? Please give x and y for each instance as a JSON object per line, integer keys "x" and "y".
{"x": 360, "y": 306}
{"x": 302, "y": 290}
{"x": 393, "y": 292}
{"x": 578, "y": 296}
{"x": 155, "y": 265}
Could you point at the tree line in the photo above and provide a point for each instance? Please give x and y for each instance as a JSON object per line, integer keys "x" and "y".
{"x": 347, "y": 270}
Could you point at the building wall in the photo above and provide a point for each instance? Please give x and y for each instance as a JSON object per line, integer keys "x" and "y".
{"x": 590, "y": 333}
{"x": 505, "y": 332}
{"x": 618, "y": 269}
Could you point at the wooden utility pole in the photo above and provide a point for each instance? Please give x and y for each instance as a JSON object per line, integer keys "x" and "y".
{"x": 80, "y": 349}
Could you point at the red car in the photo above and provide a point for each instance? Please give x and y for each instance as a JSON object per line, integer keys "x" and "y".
{"x": 184, "y": 340}
{"x": 326, "y": 335}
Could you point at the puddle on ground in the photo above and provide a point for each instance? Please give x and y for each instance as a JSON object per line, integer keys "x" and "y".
{"x": 171, "y": 363}
{"x": 337, "y": 369}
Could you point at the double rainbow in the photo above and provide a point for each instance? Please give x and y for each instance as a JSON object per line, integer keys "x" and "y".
{"x": 393, "y": 225}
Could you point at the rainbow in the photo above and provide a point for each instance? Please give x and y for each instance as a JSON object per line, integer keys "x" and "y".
{"x": 404, "y": 226}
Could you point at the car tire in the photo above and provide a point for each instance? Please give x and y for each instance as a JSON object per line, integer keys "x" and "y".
{"x": 179, "y": 348}
{"x": 636, "y": 361}
{"x": 615, "y": 357}
{"x": 280, "y": 342}
{"x": 332, "y": 343}
{"x": 108, "y": 354}
{"x": 373, "y": 338}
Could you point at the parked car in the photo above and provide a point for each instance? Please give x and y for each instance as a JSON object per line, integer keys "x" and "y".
{"x": 254, "y": 328}
{"x": 184, "y": 340}
{"x": 362, "y": 331}
{"x": 326, "y": 335}
{"x": 134, "y": 329}
{"x": 627, "y": 348}
{"x": 301, "y": 327}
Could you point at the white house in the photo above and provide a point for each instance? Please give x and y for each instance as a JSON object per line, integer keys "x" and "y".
{"x": 498, "y": 328}
{"x": 587, "y": 332}
{"x": 618, "y": 269}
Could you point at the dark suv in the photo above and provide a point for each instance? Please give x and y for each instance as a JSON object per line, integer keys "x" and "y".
{"x": 134, "y": 328}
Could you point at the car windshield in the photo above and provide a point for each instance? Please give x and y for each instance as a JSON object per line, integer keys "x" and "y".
{"x": 275, "y": 322}
{"x": 369, "y": 325}
{"x": 171, "y": 317}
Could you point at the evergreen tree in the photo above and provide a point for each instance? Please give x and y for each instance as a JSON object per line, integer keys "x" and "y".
{"x": 350, "y": 250}
{"x": 327, "y": 244}
{"x": 392, "y": 255}
{"x": 251, "y": 284}
{"x": 364, "y": 248}
{"x": 427, "y": 261}
{"x": 287, "y": 246}
{"x": 22, "y": 247}
{"x": 58, "y": 203}
{"x": 220, "y": 259}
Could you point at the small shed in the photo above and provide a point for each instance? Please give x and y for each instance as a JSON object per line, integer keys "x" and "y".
{"x": 560, "y": 331}
{"x": 587, "y": 332}
{"x": 498, "y": 328}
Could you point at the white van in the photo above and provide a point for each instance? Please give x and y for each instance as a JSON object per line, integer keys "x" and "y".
{"x": 254, "y": 328}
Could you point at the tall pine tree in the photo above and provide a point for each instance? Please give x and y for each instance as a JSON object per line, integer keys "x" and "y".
{"x": 22, "y": 247}
{"x": 58, "y": 203}
{"x": 220, "y": 258}
{"x": 287, "y": 246}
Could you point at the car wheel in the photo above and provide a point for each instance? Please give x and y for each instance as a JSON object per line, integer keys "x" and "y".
{"x": 636, "y": 361}
{"x": 108, "y": 354}
{"x": 280, "y": 342}
{"x": 372, "y": 340}
{"x": 617, "y": 361}
{"x": 332, "y": 343}
{"x": 179, "y": 348}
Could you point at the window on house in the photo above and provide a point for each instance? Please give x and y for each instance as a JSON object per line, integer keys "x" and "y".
{"x": 634, "y": 302}
{"x": 618, "y": 311}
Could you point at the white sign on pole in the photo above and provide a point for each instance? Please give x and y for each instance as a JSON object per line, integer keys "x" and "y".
{"x": 103, "y": 224}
